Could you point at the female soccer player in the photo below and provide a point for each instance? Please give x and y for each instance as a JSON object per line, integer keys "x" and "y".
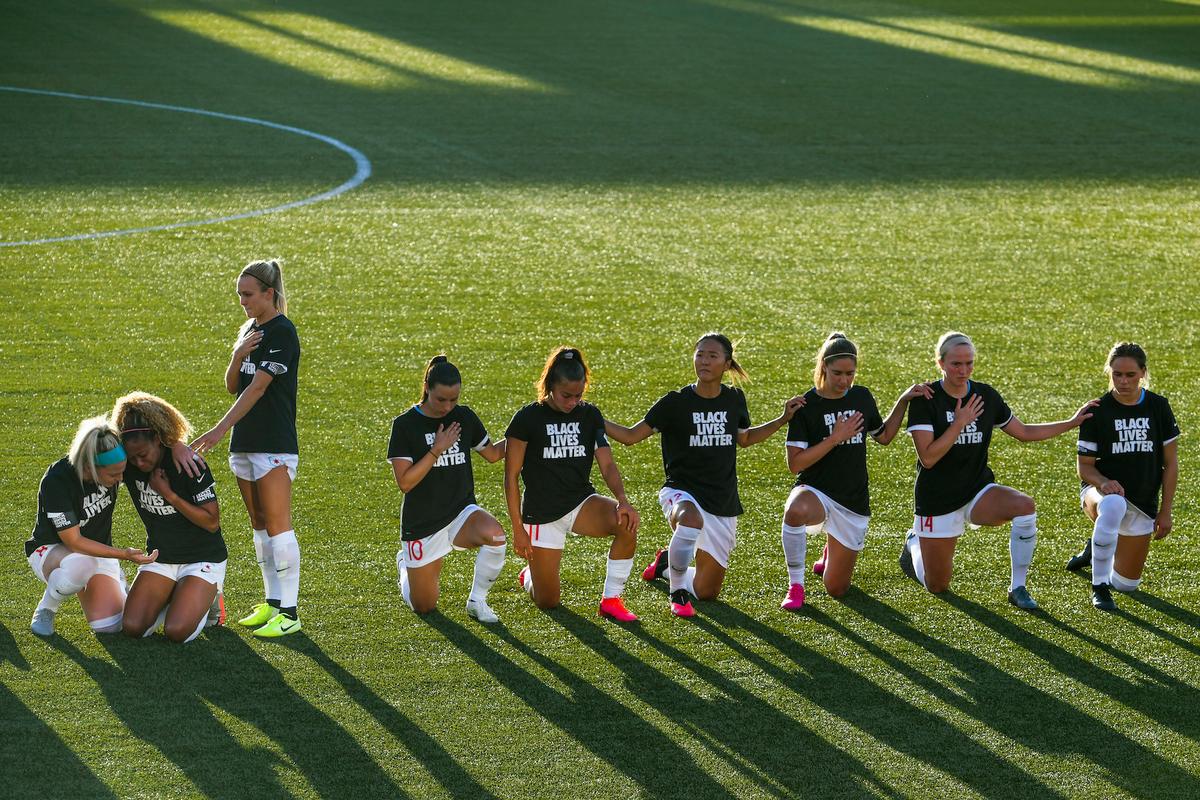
{"x": 182, "y": 522}
{"x": 826, "y": 447}
{"x": 702, "y": 426}
{"x": 551, "y": 444}
{"x": 955, "y": 487}
{"x": 263, "y": 452}
{"x": 1127, "y": 453}
{"x": 71, "y": 547}
{"x": 433, "y": 469}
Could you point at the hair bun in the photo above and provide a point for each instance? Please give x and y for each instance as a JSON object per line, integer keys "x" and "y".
{"x": 836, "y": 335}
{"x": 568, "y": 354}
{"x": 438, "y": 359}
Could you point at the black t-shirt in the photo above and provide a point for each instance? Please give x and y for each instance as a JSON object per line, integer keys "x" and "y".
{"x": 64, "y": 502}
{"x": 1127, "y": 443}
{"x": 449, "y": 486}
{"x": 842, "y": 473}
{"x": 558, "y": 458}
{"x": 177, "y": 539}
{"x": 270, "y": 425}
{"x": 699, "y": 445}
{"x": 963, "y": 472}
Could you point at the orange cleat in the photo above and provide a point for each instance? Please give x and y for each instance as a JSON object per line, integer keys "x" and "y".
{"x": 614, "y": 608}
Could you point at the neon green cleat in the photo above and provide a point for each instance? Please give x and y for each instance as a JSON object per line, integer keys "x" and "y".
{"x": 259, "y": 615}
{"x": 278, "y": 626}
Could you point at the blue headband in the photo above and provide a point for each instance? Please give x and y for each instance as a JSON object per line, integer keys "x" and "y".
{"x": 110, "y": 457}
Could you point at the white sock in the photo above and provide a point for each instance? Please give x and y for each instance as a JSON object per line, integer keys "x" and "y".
{"x": 108, "y": 624}
{"x": 1109, "y": 513}
{"x": 615, "y": 575}
{"x": 162, "y": 617}
{"x": 688, "y": 578}
{"x": 680, "y": 554}
{"x": 286, "y": 551}
{"x": 68, "y": 578}
{"x": 1123, "y": 584}
{"x": 913, "y": 543}
{"x": 488, "y": 563}
{"x": 266, "y": 563}
{"x": 795, "y": 550}
{"x": 1021, "y": 542}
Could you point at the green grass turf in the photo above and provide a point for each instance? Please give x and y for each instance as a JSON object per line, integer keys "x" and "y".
{"x": 621, "y": 176}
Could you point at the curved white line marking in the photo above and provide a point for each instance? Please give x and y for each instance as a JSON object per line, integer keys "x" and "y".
{"x": 362, "y": 166}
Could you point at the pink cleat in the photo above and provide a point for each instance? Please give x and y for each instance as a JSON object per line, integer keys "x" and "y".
{"x": 681, "y": 603}
{"x": 614, "y": 608}
{"x": 657, "y": 567}
{"x": 819, "y": 564}
{"x": 795, "y": 598}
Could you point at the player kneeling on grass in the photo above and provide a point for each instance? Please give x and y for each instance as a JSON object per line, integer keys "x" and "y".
{"x": 71, "y": 547}
{"x": 430, "y": 455}
{"x": 952, "y": 431}
{"x": 1127, "y": 453}
{"x": 181, "y": 590}
{"x": 826, "y": 447}
{"x": 551, "y": 446}
{"x": 702, "y": 427}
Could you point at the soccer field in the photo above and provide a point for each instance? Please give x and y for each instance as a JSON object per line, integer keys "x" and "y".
{"x": 619, "y": 176}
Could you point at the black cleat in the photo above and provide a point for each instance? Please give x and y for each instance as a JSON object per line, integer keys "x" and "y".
{"x": 906, "y": 562}
{"x": 1021, "y": 598}
{"x": 1081, "y": 559}
{"x": 1102, "y": 598}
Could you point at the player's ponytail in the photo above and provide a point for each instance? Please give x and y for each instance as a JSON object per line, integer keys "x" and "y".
{"x": 564, "y": 364}
{"x": 140, "y": 416}
{"x": 269, "y": 274}
{"x": 835, "y": 347}
{"x": 1127, "y": 350}
{"x": 739, "y": 374}
{"x": 95, "y": 440}
{"x": 439, "y": 372}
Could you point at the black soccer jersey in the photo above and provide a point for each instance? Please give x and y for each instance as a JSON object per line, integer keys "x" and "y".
{"x": 177, "y": 539}
{"x": 1127, "y": 443}
{"x": 558, "y": 458}
{"x": 449, "y": 486}
{"x": 963, "y": 471}
{"x": 64, "y": 502}
{"x": 842, "y": 473}
{"x": 270, "y": 425}
{"x": 699, "y": 445}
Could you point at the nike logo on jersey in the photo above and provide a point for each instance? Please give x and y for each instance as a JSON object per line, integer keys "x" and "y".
{"x": 276, "y": 350}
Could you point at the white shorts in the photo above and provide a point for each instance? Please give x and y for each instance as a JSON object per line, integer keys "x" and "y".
{"x": 211, "y": 571}
{"x": 553, "y": 535}
{"x": 948, "y": 526}
{"x": 427, "y": 549}
{"x": 108, "y": 566}
{"x": 1134, "y": 523}
{"x": 719, "y": 534}
{"x": 253, "y": 466}
{"x": 840, "y": 522}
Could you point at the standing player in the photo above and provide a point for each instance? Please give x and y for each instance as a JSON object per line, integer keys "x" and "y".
{"x": 433, "y": 469}
{"x": 183, "y": 524}
{"x": 955, "y": 487}
{"x": 702, "y": 426}
{"x": 1127, "y": 453}
{"x": 551, "y": 445}
{"x": 263, "y": 452}
{"x": 826, "y": 447}
{"x": 71, "y": 547}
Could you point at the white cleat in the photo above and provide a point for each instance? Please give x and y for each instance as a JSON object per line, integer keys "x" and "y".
{"x": 480, "y": 610}
{"x": 43, "y": 622}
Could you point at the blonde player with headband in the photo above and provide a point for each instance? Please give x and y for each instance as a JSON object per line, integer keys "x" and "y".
{"x": 952, "y": 431}
{"x": 263, "y": 452}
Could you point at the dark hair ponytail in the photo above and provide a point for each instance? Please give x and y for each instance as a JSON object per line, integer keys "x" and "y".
{"x": 439, "y": 372}
{"x": 564, "y": 364}
{"x": 739, "y": 373}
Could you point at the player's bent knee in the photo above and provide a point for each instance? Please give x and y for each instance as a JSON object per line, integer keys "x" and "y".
{"x": 178, "y": 632}
{"x": 691, "y": 518}
{"x": 1024, "y": 506}
{"x": 794, "y": 517}
{"x": 546, "y": 602}
{"x": 134, "y": 630}
{"x": 107, "y": 624}
{"x": 936, "y": 585}
{"x": 837, "y": 588}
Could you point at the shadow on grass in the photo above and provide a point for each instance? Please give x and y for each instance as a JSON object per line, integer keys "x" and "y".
{"x": 606, "y": 727}
{"x": 161, "y": 692}
{"x": 9, "y": 652}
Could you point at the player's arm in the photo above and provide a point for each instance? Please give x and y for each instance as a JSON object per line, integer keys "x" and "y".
{"x": 243, "y": 347}
{"x": 627, "y": 515}
{"x": 409, "y": 473}
{"x": 240, "y": 408}
{"x": 76, "y": 542}
{"x": 514, "y": 459}
{"x": 759, "y": 433}
{"x": 931, "y": 450}
{"x": 628, "y": 436}
{"x": 801, "y": 458}
{"x": 895, "y": 418}
{"x": 1090, "y": 474}
{"x": 1042, "y": 431}
{"x": 205, "y": 515}
{"x": 492, "y": 451}
{"x": 1170, "y": 481}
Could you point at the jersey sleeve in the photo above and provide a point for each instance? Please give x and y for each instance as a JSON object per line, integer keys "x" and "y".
{"x": 1003, "y": 414}
{"x": 398, "y": 446}
{"x": 743, "y": 411}
{"x": 475, "y": 434}
{"x": 659, "y": 416}
{"x": 1170, "y": 427}
{"x": 872, "y": 421}
{"x": 598, "y": 419}
{"x": 920, "y": 415}
{"x": 199, "y": 490}
{"x": 278, "y": 351}
{"x": 797, "y": 432}
{"x": 1089, "y": 437}
{"x": 58, "y": 504}
{"x": 518, "y": 428}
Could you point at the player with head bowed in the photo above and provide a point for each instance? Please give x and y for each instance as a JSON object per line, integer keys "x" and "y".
{"x": 702, "y": 425}
{"x": 952, "y": 431}
{"x": 263, "y": 451}
{"x": 551, "y": 444}
{"x": 430, "y": 453}
{"x": 826, "y": 448}
{"x": 181, "y": 590}
{"x": 1127, "y": 455}
{"x": 71, "y": 547}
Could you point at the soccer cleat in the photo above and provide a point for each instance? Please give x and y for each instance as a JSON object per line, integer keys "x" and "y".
{"x": 657, "y": 567}
{"x": 1020, "y": 598}
{"x": 43, "y": 622}
{"x": 261, "y": 614}
{"x": 216, "y": 612}
{"x": 794, "y": 600}
{"x": 681, "y": 603}
{"x": 819, "y": 564}
{"x": 614, "y": 608}
{"x": 1102, "y": 598}
{"x": 906, "y": 561}
{"x": 1081, "y": 559}
{"x": 278, "y": 625}
{"x": 480, "y": 610}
